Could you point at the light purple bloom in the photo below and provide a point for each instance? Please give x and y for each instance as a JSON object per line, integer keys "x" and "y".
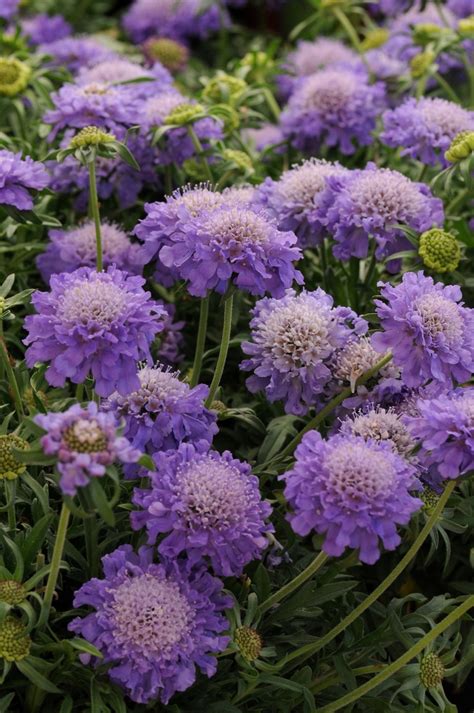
{"x": 376, "y": 423}
{"x": 76, "y": 247}
{"x": 171, "y": 338}
{"x": 368, "y": 203}
{"x": 110, "y": 72}
{"x": 424, "y": 128}
{"x": 445, "y": 428}
{"x": 155, "y": 624}
{"x": 333, "y": 107}
{"x": 208, "y": 505}
{"x": 294, "y": 340}
{"x": 352, "y": 491}
{"x": 93, "y": 322}
{"x": 429, "y": 331}
{"x": 44, "y": 28}
{"x": 8, "y": 9}
{"x": 176, "y": 19}
{"x": 461, "y": 8}
{"x": 76, "y": 52}
{"x": 384, "y": 65}
{"x": 294, "y": 198}
{"x": 265, "y": 136}
{"x": 85, "y": 442}
{"x": 164, "y": 411}
{"x": 17, "y": 177}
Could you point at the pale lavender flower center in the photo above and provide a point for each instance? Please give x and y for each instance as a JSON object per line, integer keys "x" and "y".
{"x": 466, "y": 406}
{"x": 157, "y": 385}
{"x": 381, "y": 425}
{"x": 356, "y": 358}
{"x": 387, "y": 194}
{"x": 214, "y": 493}
{"x": 329, "y": 91}
{"x": 151, "y": 614}
{"x": 97, "y": 301}
{"x": 302, "y": 184}
{"x": 83, "y": 240}
{"x": 85, "y": 436}
{"x": 240, "y": 226}
{"x": 96, "y": 88}
{"x": 200, "y": 199}
{"x": 440, "y": 317}
{"x": 355, "y": 471}
{"x": 445, "y": 117}
{"x": 158, "y": 108}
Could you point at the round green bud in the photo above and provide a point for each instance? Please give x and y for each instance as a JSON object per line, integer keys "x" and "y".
{"x": 431, "y": 671}
{"x": 3, "y": 303}
{"x": 375, "y": 38}
{"x": 249, "y": 642}
{"x": 239, "y": 158}
{"x": 12, "y": 592}
{"x": 430, "y": 499}
{"x": 185, "y": 114}
{"x": 14, "y": 76}
{"x": 91, "y": 136}
{"x": 466, "y": 26}
{"x": 14, "y": 642}
{"x": 461, "y": 147}
{"x": 10, "y": 467}
{"x": 439, "y": 250}
{"x": 421, "y": 63}
{"x": 224, "y": 87}
{"x": 172, "y": 54}
{"x": 425, "y": 32}
{"x": 218, "y": 406}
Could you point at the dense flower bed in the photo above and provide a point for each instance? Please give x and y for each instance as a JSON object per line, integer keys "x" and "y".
{"x": 236, "y": 356}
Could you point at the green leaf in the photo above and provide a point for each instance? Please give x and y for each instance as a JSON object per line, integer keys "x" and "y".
{"x": 127, "y": 156}
{"x": 36, "y": 677}
{"x": 147, "y": 462}
{"x": 7, "y": 285}
{"x": 35, "y": 538}
{"x": 84, "y": 647}
{"x": 5, "y": 702}
{"x": 34, "y": 457}
{"x": 101, "y": 503}
{"x": 66, "y": 705}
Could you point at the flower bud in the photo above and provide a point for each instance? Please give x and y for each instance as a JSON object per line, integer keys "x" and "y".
{"x": 12, "y": 592}
{"x": 14, "y": 642}
{"x": 375, "y": 38}
{"x": 421, "y": 63}
{"x": 249, "y": 642}
{"x": 14, "y": 76}
{"x": 461, "y": 147}
{"x": 171, "y": 54}
{"x": 439, "y": 250}
{"x": 91, "y": 136}
{"x": 10, "y": 467}
{"x": 431, "y": 671}
{"x": 185, "y": 114}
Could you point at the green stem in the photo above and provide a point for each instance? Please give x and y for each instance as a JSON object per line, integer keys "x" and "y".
{"x": 308, "y": 650}
{"x": 200, "y": 152}
{"x": 457, "y": 200}
{"x": 449, "y": 91}
{"x": 79, "y": 392}
{"x": 347, "y": 25}
{"x": 200, "y": 341}
{"x": 392, "y": 668}
{"x": 55, "y": 565}
{"x": 300, "y": 579}
{"x": 90, "y": 533}
{"x": 272, "y": 103}
{"x": 224, "y": 348}
{"x": 94, "y": 208}
{"x": 331, "y": 678}
{"x": 5, "y": 358}
{"x": 344, "y": 394}
{"x": 10, "y": 490}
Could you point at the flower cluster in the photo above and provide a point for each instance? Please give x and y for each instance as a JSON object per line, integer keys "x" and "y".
{"x": 18, "y": 177}
{"x": 176, "y": 19}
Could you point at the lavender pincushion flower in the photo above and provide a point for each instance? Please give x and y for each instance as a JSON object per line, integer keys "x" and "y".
{"x": 9, "y": 8}
{"x": 444, "y": 426}
{"x": 208, "y": 505}
{"x": 461, "y": 8}
{"x": 294, "y": 340}
{"x": 232, "y": 245}
{"x": 156, "y": 79}
{"x": 99, "y": 323}
{"x": 429, "y": 331}
{"x": 369, "y": 203}
{"x": 44, "y": 28}
{"x": 76, "y": 247}
{"x": 17, "y": 177}
{"x": 76, "y": 52}
{"x": 164, "y": 411}
{"x": 376, "y": 423}
{"x": 294, "y": 198}
{"x": 424, "y": 128}
{"x": 155, "y": 624}
{"x": 333, "y": 107}
{"x": 352, "y": 491}
{"x": 176, "y": 19}
{"x": 171, "y": 338}
{"x": 85, "y": 441}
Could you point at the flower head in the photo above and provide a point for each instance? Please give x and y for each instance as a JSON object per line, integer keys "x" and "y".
{"x": 17, "y": 177}
{"x": 439, "y": 250}
{"x": 120, "y": 71}
{"x": 44, "y": 28}
{"x": 10, "y": 467}
{"x": 461, "y": 147}
{"x": 93, "y": 322}
{"x": 91, "y": 136}
{"x": 444, "y": 426}
{"x": 427, "y": 328}
{"x": 76, "y": 247}
{"x": 155, "y": 624}
{"x": 249, "y": 642}
{"x": 461, "y": 8}
{"x": 354, "y": 492}
{"x": 425, "y": 128}
{"x": 380, "y": 424}
{"x": 15, "y": 643}
{"x": 332, "y": 107}
{"x": 12, "y": 592}
{"x": 176, "y": 19}
{"x": 293, "y": 343}
{"x": 172, "y": 54}
{"x": 368, "y": 203}
{"x": 76, "y": 52}
{"x": 208, "y": 504}
{"x": 14, "y": 76}
{"x": 8, "y": 9}
{"x": 164, "y": 411}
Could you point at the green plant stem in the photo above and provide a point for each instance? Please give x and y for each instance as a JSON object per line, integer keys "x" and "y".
{"x": 449, "y": 91}
{"x": 10, "y": 490}
{"x": 55, "y": 565}
{"x": 326, "y": 681}
{"x": 457, "y": 200}
{"x": 392, "y": 668}
{"x": 272, "y": 103}
{"x": 344, "y": 394}
{"x": 90, "y": 532}
{"x": 348, "y": 27}
{"x": 79, "y": 392}
{"x": 295, "y": 583}
{"x": 94, "y": 209}
{"x": 200, "y": 341}
{"x": 200, "y": 151}
{"x": 5, "y": 358}
{"x": 224, "y": 348}
{"x": 308, "y": 650}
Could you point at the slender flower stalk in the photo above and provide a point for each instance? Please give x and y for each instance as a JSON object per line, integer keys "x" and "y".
{"x": 94, "y": 209}
{"x": 200, "y": 342}
{"x": 200, "y": 151}
{"x": 55, "y": 565}
{"x": 224, "y": 348}
{"x": 5, "y": 359}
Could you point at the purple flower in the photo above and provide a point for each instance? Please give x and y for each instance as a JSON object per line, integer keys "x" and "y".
{"x": 176, "y": 19}
{"x": 354, "y": 492}
{"x": 164, "y": 411}
{"x": 93, "y": 322}
{"x": 445, "y": 428}
{"x": 461, "y": 8}
{"x": 384, "y": 65}
{"x": 153, "y": 623}
{"x": 208, "y": 505}
{"x": 119, "y": 71}
{"x": 17, "y": 176}
{"x": 85, "y": 442}
{"x": 294, "y": 198}
{"x": 76, "y": 247}
{"x": 293, "y": 343}
{"x": 429, "y": 331}
{"x": 380, "y": 424}
{"x": 76, "y": 52}
{"x": 232, "y": 245}
{"x": 265, "y": 136}
{"x": 8, "y": 9}
{"x": 368, "y": 203}
{"x": 171, "y": 338}
{"x": 333, "y": 107}
{"x": 44, "y": 28}
{"x": 424, "y": 128}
